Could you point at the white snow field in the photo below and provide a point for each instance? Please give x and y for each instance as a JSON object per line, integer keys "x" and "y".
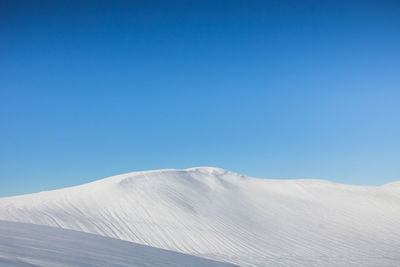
{"x": 221, "y": 215}
{"x": 36, "y": 245}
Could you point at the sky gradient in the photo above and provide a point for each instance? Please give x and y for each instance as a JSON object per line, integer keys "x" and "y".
{"x": 271, "y": 89}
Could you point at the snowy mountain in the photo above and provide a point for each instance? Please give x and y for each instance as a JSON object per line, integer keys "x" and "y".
{"x": 221, "y": 215}
{"x": 24, "y": 244}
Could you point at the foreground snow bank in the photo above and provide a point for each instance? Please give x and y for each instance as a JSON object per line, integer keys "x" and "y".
{"x": 24, "y": 244}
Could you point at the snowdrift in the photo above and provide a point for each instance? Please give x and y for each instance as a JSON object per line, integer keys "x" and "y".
{"x": 221, "y": 215}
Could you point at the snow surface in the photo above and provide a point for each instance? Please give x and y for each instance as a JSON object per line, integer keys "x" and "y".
{"x": 24, "y": 244}
{"x": 221, "y": 215}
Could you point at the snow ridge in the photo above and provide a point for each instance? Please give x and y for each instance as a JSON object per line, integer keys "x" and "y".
{"x": 222, "y": 215}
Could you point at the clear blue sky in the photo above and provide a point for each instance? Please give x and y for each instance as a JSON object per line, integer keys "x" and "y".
{"x": 272, "y": 89}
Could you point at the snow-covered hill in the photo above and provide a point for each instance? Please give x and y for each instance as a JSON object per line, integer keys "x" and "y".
{"x": 221, "y": 215}
{"x": 24, "y": 244}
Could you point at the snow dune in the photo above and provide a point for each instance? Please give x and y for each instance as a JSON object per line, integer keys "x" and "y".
{"x": 35, "y": 245}
{"x": 221, "y": 215}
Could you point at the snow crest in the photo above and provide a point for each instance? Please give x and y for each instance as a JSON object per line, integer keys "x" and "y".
{"x": 222, "y": 215}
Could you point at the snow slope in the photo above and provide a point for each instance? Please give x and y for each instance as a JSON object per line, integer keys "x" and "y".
{"x": 214, "y": 213}
{"x": 24, "y": 244}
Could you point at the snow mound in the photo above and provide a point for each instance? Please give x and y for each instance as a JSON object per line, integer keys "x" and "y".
{"x": 24, "y": 244}
{"x": 217, "y": 214}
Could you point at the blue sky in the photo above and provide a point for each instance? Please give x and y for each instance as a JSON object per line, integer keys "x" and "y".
{"x": 272, "y": 89}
